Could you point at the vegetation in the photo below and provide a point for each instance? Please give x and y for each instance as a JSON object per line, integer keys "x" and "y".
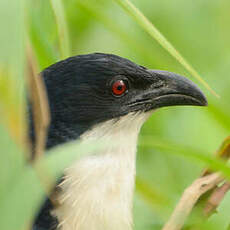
{"x": 175, "y": 143}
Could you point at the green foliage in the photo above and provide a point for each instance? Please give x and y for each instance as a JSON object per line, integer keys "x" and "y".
{"x": 27, "y": 192}
{"x": 155, "y": 33}
{"x": 175, "y": 143}
{"x": 62, "y": 28}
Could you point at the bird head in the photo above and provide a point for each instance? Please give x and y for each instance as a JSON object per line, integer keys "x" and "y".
{"x": 87, "y": 90}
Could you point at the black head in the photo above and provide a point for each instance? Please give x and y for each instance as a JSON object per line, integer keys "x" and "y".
{"x": 88, "y": 89}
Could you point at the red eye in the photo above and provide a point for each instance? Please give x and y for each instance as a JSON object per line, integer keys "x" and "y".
{"x": 119, "y": 87}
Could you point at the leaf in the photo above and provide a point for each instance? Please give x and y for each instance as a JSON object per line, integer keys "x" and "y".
{"x": 63, "y": 35}
{"x": 12, "y": 103}
{"x": 187, "y": 152}
{"x": 155, "y": 33}
{"x": 11, "y": 163}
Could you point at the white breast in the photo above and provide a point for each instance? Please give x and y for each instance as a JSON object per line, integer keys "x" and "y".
{"x": 98, "y": 190}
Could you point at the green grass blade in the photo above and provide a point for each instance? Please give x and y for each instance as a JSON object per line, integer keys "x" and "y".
{"x": 99, "y": 15}
{"x": 12, "y": 103}
{"x": 187, "y": 152}
{"x": 11, "y": 163}
{"x": 155, "y": 33}
{"x": 40, "y": 31}
{"x": 62, "y": 27}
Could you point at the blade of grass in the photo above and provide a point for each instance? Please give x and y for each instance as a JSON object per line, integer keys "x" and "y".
{"x": 155, "y": 33}
{"x": 62, "y": 27}
{"x": 98, "y": 14}
{"x": 39, "y": 101}
{"x": 187, "y": 152}
{"x": 39, "y": 34}
{"x": 11, "y": 163}
{"x": 12, "y": 103}
{"x": 12, "y": 107}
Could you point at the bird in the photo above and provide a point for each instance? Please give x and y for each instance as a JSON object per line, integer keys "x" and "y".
{"x": 103, "y": 97}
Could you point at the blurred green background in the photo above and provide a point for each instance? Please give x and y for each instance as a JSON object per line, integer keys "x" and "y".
{"x": 198, "y": 29}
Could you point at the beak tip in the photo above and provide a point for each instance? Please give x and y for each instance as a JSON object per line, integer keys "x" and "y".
{"x": 199, "y": 96}
{"x": 180, "y": 90}
{"x": 205, "y": 102}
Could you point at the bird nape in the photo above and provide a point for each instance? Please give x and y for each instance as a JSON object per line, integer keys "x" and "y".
{"x": 103, "y": 97}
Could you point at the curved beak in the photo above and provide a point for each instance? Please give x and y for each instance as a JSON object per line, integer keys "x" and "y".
{"x": 176, "y": 90}
{"x": 169, "y": 89}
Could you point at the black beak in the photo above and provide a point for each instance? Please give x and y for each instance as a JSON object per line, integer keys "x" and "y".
{"x": 169, "y": 89}
{"x": 174, "y": 89}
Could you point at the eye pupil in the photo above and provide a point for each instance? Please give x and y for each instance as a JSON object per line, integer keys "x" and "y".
{"x": 119, "y": 88}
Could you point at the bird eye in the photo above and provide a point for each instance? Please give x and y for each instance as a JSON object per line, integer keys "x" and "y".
{"x": 119, "y": 88}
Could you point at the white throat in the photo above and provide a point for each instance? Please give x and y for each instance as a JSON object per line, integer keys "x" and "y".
{"x": 97, "y": 191}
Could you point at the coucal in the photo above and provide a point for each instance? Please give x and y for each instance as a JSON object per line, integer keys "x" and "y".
{"x": 103, "y": 97}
